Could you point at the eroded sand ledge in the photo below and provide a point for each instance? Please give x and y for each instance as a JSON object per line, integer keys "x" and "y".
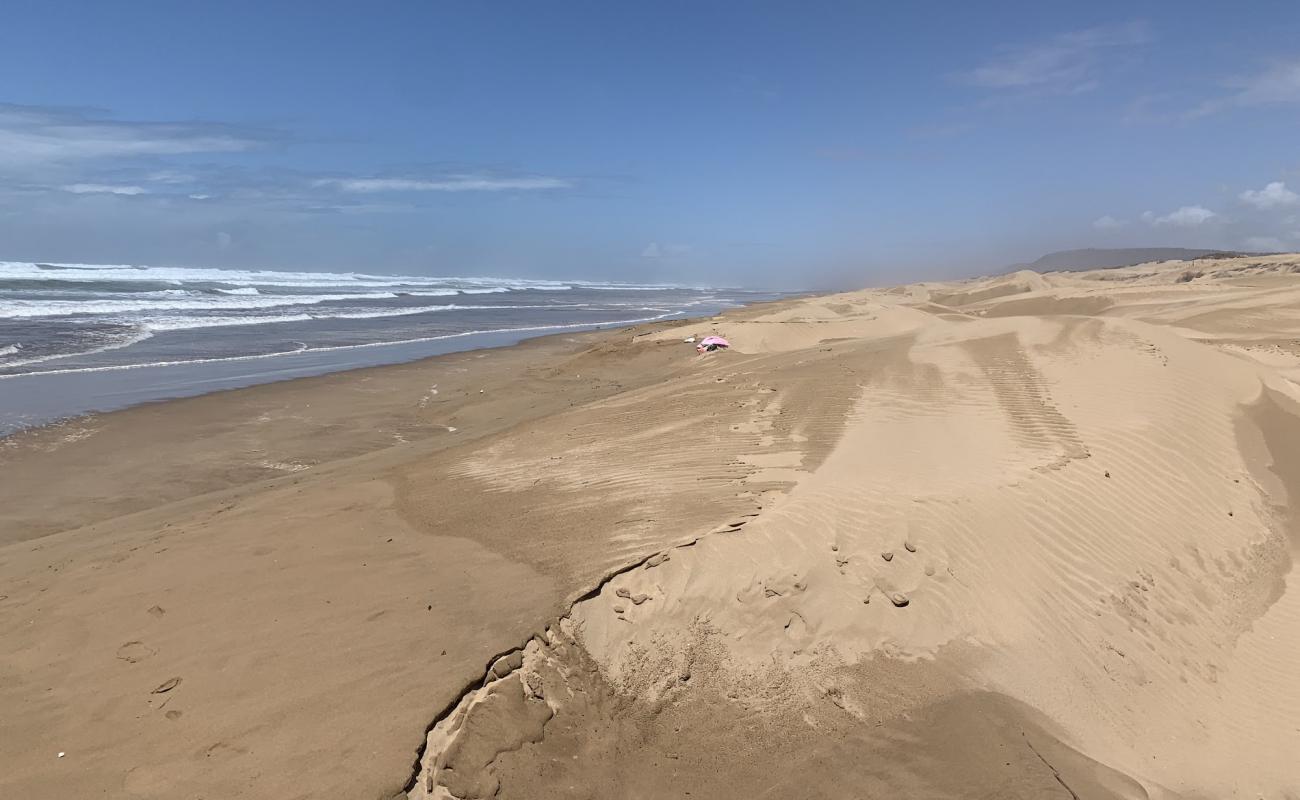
{"x": 1028, "y": 536}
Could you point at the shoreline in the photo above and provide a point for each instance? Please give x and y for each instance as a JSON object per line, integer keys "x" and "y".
{"x": 35, "y": 399}
{"x": 213, "y": 408}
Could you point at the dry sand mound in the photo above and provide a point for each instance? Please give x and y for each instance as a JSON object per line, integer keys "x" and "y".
{"x": 1048, "y": 556}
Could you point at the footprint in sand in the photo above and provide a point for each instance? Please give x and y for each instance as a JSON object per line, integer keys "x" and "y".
{"x": 887, "y": 555}
{"x": 134, "y": 652}
{"x": 637, "y": 599}
{"x": 224, "y": 750}
{"x": 656, "y": 560}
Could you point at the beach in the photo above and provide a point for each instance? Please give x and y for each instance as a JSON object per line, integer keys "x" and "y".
{"x": 1029, "y": 535}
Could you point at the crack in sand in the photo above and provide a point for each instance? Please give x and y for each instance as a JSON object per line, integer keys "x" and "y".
{"x": 1055, "y": 772}
{"x": 490, "y": 673}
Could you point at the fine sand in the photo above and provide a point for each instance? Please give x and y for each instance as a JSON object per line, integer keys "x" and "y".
{"x": 1020, "y": 537}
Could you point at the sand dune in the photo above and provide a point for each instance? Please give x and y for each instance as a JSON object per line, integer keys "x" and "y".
{"x": 1055, "y": 545}
{"x": 1023, "y": 536}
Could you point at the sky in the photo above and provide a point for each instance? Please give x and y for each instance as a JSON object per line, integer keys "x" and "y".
{"x": 765, "y": 144}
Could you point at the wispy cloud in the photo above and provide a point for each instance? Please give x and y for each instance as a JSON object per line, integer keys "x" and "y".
{"x": 449, "y": 183}
{"x": 1271, "y": 196}
{"x": 1276, "y": 84}
{"x": 58, "y": 154}
{"x": 290, "y": 190}
{"x": 1065, "y": 63}
{"x": 1184, "y": 217}
{"x": 102, "y": 188}
{"x": 1108, "y": 223}
{"x": 36, "y": 134}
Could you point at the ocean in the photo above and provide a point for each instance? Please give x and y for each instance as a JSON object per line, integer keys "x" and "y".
{"x": 76, "y": 338}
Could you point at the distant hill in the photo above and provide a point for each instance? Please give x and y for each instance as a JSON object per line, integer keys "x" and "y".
{"x": 1100, "y": 258}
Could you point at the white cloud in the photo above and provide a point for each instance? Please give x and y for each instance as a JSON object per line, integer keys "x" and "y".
{"x": 102, "y": 188}
{"x": 1185, "y": 217}
{"x": 35, "y": 134}
{"x": 1274, "y": 194}
{"x": 1108, "y": 223}
{"x": 1066, "y": 62}
{"x": 200, "y": 197}
{"x": 1277, "y": 84}
{"x": 450, "y": 183}
{"x": 1270, "y": 244}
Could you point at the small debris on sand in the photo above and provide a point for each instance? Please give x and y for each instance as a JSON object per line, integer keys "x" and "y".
{"x": 899, "y": 599}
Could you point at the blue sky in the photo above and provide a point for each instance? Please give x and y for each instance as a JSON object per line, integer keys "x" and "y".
{"x": 768, "y": 144}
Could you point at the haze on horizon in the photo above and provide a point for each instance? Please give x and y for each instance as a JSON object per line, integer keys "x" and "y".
{"x": 761, "y": 144}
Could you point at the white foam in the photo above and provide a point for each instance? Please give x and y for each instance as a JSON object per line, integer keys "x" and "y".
{"x": 61, "y": 308}
{"x": 336, "y": 348}
{"x": 95, "y": 273}
{"x": 243, "y": 290}
{"x": 160, "y": 324}
{"x": 10, "y": 350}
{"x": 618, "y": 287}
{"x": 177, "y": 323}
{"x": 137, "y": 336}
{"x": 83, "y": 273}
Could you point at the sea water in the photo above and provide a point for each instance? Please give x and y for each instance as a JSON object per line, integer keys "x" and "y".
{"x": 76, "y": 338}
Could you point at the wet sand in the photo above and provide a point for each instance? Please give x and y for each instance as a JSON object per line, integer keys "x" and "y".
{"x": 1026, "y": 536}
